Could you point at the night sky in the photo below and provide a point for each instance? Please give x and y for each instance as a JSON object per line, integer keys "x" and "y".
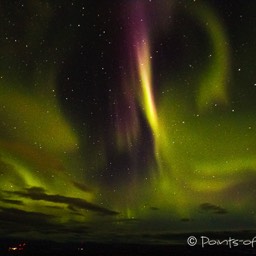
{"x": 127, "y": 120}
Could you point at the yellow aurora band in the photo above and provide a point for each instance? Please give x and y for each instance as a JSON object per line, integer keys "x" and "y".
{"x": 144, "y": 67}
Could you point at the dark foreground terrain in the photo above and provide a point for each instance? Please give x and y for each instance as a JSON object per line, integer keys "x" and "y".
{"x": 57, "y": 249}
{"x": 175, "y": 245}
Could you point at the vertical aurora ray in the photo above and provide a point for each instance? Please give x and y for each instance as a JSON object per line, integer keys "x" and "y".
{"x": 140, "y": 36}
{"x": 135, "y": 100}
{"x": 141, "y": 44}
{"x": 147, "y": 98}
{"x": 168, "y": 193}
{"x": 141, "y": 48}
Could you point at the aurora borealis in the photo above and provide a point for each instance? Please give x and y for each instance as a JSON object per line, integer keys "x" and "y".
{"x": 127, "y": 120}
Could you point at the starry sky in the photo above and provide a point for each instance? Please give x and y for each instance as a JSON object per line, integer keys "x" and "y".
{"x": 127, "y": 120}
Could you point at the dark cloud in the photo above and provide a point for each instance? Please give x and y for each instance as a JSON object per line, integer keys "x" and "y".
{"x": 154, "y": 208}
{"x": 54, "y": 207}
{"x": 67, "y": 228}
{"x": 19, "y": 222}
{"x": 21, "y": 217}
{"x": 185, "y": 219}
{"x": 77, "y": 230}
{"x": 38, "y": 193}
{"x": 10, "y": 201}
{"x": 207, "y": 207}
{"x": 36, "y": 190}
{"x": 81, "y": 186}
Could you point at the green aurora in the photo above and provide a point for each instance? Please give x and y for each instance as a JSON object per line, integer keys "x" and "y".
{"x": 199, "y": 172}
